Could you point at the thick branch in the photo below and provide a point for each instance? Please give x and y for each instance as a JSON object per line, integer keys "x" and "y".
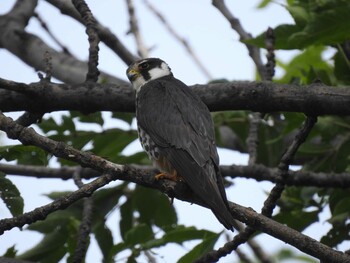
{"x": 256, "y": 172}
{"x": 315, "y": 99}
{"x": 31, "y": 49}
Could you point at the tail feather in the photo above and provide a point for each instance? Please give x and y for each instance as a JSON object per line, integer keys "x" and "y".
{"x": 225, "y": 217}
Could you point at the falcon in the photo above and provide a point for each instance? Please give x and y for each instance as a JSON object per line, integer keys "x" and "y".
{"x": 176, "y": 130}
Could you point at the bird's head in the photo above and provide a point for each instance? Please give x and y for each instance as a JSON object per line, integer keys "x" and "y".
{"x": 145, "y": 70}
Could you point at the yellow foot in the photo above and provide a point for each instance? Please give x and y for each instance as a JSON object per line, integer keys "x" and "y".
{"x": 172, "y": 177}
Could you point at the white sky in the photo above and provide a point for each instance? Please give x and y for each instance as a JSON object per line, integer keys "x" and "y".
{"x": 218, "y": 48}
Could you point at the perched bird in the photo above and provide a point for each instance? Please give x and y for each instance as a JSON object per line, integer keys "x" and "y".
{"x": 176, "y": 130}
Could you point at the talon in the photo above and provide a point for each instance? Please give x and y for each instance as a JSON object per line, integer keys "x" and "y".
{"x": 172, "y": 176}
{"x": 161, "y": 176}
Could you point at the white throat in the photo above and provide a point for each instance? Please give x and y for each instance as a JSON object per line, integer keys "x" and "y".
{"x": 155, "y": 73}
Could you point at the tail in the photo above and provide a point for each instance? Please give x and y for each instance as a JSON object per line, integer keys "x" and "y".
{"x": 224, "y": 216}
{"x": 221, "y": 208}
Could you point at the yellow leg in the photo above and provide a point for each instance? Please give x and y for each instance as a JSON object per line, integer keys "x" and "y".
{"x": 172, "y": 176}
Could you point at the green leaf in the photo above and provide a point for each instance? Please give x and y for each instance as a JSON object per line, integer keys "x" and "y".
{"x": 50, "y": 125}
{"x": 154, "y": 207}
{"x": 68, "y": 123}
{"x": 11, "y": 252}
{"x": 293, "y": 203}
{"x": 301, "y": 66}
{"x": 58, "y": 219}
{"x": 126, "y": 214}
{"x": 11, "y": 196}
{"x": 319, "y": 25}
{"x": 24, "y": 154}
{"x": 285, "y": 254}
{"x": 50, "y": 249}
{"x": 336, "y": 235}
{"x": 57, "y": 195}
{"x": 126, "y": 117}
{"x": 282, "y": 35}
{"x": 238, "y": 122}
{"x": 95, "y": 117}
{"x": 104, "y": 240}
{"x": 264, "y": 3}
{"x": 139, "y": 158}
{"x": 297, "y": 219}
{"x": 110, "y": 143}
{"x": 337, "y": 197}
{"x": 178, "y": 235}
{"x": 199, "y": 250}
{"x": 299, "y": 14}
{"x": 106, "y": 199}
{"x": 328, "y": 27}
{"x": 119, "y": 247}
{"x": 71, "y": 230}
{"x": 342, "y": 67}
{"x": 138, "y": 234}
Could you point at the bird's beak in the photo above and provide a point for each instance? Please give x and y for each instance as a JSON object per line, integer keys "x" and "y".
{"x": 132, "y": 72}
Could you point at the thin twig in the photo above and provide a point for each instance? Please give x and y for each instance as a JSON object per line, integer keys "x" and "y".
{"x": 85, "y": 225}
{"x": 134, "y": 29}
{"x": 254, "y": 52}
{"x": 182, "y": 40}
{"x": 48, "y": 31}
{"x": 29, "y": 118}
{"x": 253, "y": 137}
{"x": 271, "y": 62}
{"x": 90, "y": 24}
{"x": 256, "y": 118}
{"x": 110, "y": 39}
{"x": 48, "y": 68}
{"x": 242, "y": 256}
{"x": 223, "y": 251}
{"x": 149, "y": 256}
{"x": 283, "y": 166}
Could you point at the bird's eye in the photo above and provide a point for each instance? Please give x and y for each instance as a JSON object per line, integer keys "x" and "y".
{"x": 143, "y": 65}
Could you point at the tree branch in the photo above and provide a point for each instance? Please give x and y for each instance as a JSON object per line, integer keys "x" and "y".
{"x": 66, "y": 7}
{"x": 182, "y": 40}
{"x": 315, "y": 99}
{"x": 254, "y": 52}
{"x": 44, "y": 25}
{"x": 283, "y": 167}
{"x": 85, "y": 225}
{"x": 134, "y": 29}
{"x": 173, "y": 189}
{"x": 90, "y": 24}
{"x": 257, "y": 172}
{"x": 31, "y": 49}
